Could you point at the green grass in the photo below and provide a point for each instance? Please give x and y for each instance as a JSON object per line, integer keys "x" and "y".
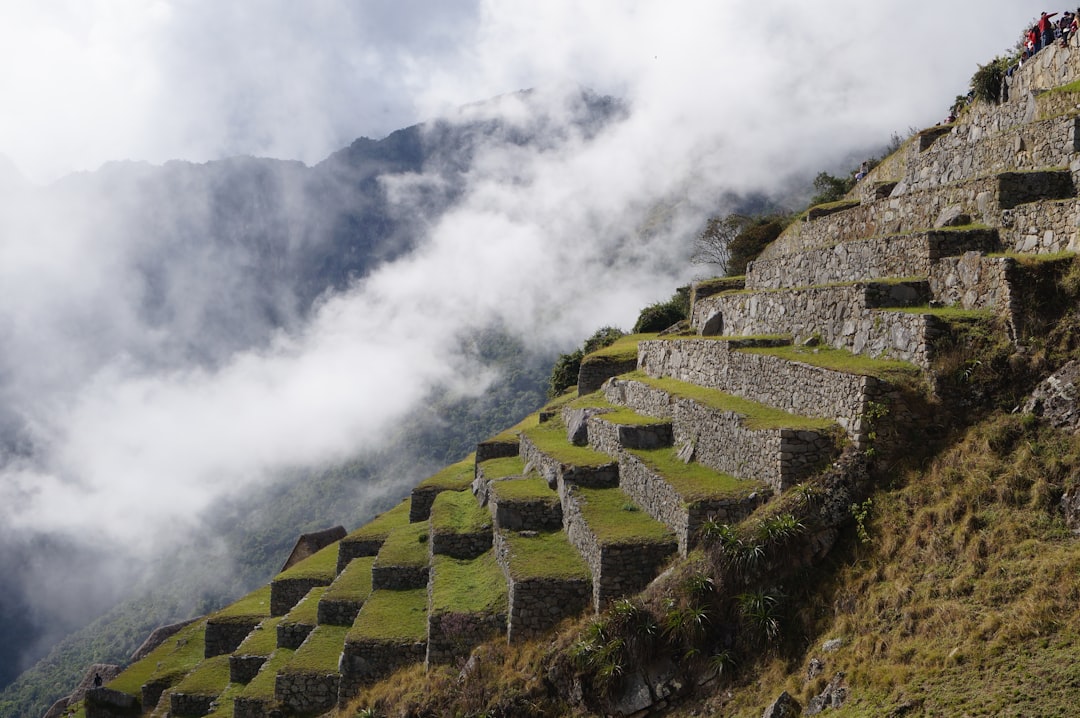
{"x": 320, "y": 652}
{"x": 1030, "y": 260}
{"x": 406, "y": 546}
{"x": 320, "y": 565}
{"x": 615, "y": 518}
{"x": 949, "y": 314}
{"x": 623, "y": 349}
{"x": 399, "y": 616}
{"x": 354, "y": 583}
{"x": 384, "y": 523}
{"x": 225, "y": 701}
{"x": 262, "y": 641}
{"x": 177, "y": 655}
{"x": 756, "y": 416}
{"x": 614, "y": 413}
{"x": 458, "y": 512}
{"x": 454, "y": 477}
{"x": 841, "y": 360}
{"x": 306, "y": 612}
{"x": 256, "y": 603}
{"x": 550, "y": 438}
{"x": 545, "y": 555}
{"x": 720, "y": 284}
{"x": 502, "y": 468}
{"x": 208, "y": 679}
{"x": 510, "y": 436}
{"x": 1073, "y": 86}
{"x": 474, "y": 586}
{"x": 523, "y": 490}
{"x": 262, "y": 685}
{"x": 693, "y": 481}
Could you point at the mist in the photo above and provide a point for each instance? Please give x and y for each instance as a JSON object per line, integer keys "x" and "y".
{"x": 133, "y": 407}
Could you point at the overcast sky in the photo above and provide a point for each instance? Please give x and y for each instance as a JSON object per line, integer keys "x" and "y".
{"x": 725, "y": 95}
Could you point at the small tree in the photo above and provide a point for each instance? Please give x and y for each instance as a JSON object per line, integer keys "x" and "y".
{"x": 828, "y": 188}
{"x": 713, "y": 245}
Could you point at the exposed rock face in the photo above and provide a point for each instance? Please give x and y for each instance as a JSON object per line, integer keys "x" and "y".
{"x": 783, "y": 707}
{"x": 833, "y": 696}
{"x": 107, "y": 703}
{"x": 1057, "y": 399}
{"x": 107, "y": 671}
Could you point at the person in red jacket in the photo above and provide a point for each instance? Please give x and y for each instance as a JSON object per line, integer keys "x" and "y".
{"x": 1046, "y": 29}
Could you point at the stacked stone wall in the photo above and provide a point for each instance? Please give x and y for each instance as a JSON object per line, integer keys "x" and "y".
{"x": 338, "y": 612}
{"x": 486, "y": 450}
{"x": 365, "y": 662}
{"x": 525, "y": 515}
{"x": 226, "y": 636}
{"x": 357, "y": 548}
{"x": 460, "y": 545}
{"x": 287, "y": 592}
{"x": 251, "y": 707}
{"x": 1042, "y": 228}
{"x": 243, "y": 668}
{"x": 398, "y": 578}
{"x": 306, "y": 692}
{"x": 536, "y": 605}
{"x": 611, "y": 438}
{"x": 973, "y": 281}
{"x": 777, "y": 457}
{"x": 291, "y": 635}
{"x": 453, "y": 635}
{"x": 420, "y": 503}
{"x": 556, "y": 472}
{"x": 592, "y": 374}
{"x": 190, "y": 704}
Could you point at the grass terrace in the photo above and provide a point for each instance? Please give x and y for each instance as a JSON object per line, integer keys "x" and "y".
{"x": 756, "y": 416}
{"x": 224, "y": 702}
{"x": 614, "y": 518}
{"x": 454, "y": 477}
{"x": 406, "y": 546}
{"x": 545, "y": 555}
{"x": 529, "y": 489}
{"x": 622, "y": 349}
{"x": 396, "y": 616}
{"x": 262, "y": 685}
{"x": 510, "y": 436}
{"x": 320, "y": 565}
{"x": 209, "y": 679}
{"x": 306, "y": 612}
{"x": 550, "y": 438}
{"x": 502, "y": 468}
{"x": 256, "y": 603}
{"x": 616, "y": 414}
{"x": 473, "y": 586}
{"x": 717, "y": 285}
{"x": 949, "y": 314}
{"x": 458, "y": 512}
{"x": 262, "y": 641}
{"x": 175, "y": 657}
{"x": 352, "y": 584}
{"x": 693, "y": 481}
{"x": 320, "y": 652}
{"x": 384, "y": 523}
{"x": 841, "y": 360}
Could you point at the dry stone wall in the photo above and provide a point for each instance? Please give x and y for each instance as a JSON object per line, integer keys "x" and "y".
{"x": 364, "y": 662}
{"x": 460, "y": 545}
{"x": 287, "y": 592}
{"x": 453, "y": 635}
{"x": 611, "y": 438}
{"x": 592, "y": 373}
{"x": 291, "y": 635}
{"x": 398, "y": 578}
{"x": 307, "y": 692}
{"x": 555, "y": 472}
{"x": 338, "y": 611}
{"x": 349, "y": 549}
{"x": 243, "y": 668}
{"x": 539, "y": 514}
{"x": 225, "y": 636}
{"x": 190, "y": 704}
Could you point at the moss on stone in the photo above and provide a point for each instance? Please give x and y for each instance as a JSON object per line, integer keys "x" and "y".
{"x": 458, "y": 512}
{"x": 262, "y": 640}
{"x": 383, "y": 524}
{"x": 614, "y": 518}
{"x": 262, "y": 685}
{"x": 523, "y": 490}
{"x": 755, "y": 415}
{"x": 454, "y": 477}
{"x": 208, "y": 679}
{"x": 306, "y": 612}
{"x": 256, "y": 603}
{"x": 468, "y": 586}
{"x": 693, "y": 481}
{"x": 550, "y": 438}
{"x": 501, "y": 468}
{"x": 321, "y": 651}
{"x": 352, "y": 584}
{"x": 544, "y": 555}
{"x": 320, "y": 565}
{"x": 177, "y": 655}
{"x": 405, "y": 546}
{"x": 392, "y": 616}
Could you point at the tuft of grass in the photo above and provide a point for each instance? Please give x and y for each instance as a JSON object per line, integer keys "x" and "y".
{"x": 354, "y": 583}
{"x": 175, "y": 657}
{"x": 398, "y": 616}
{"x": 384, "y": 523}
{"x": 458, "y": 512}
{"x": 473, "y": 586}
{"x": 615, "y": 519}
{"x": 544, "y": 555}
{"x": 320, "y": 652}
{"x": 208, "y": 679}
{"x": 262, "y": 685}
{"x": 262, "y": 641}
{"x": 550, "y": 438}
{"x": 320, "y": 565}
{"x": 693, "y": 481}
{"x": 406, "y": 546}
{"x": 306, "y": 612}
{"x": 755, "y": 415}
{"x": 256, "y": 603}
{"x": 502, "y": 468}
{"x": 454, "y": 477}
{"x": 529, "y": 489}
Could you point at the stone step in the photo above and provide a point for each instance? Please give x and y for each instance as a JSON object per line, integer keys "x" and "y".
{"x": 257, "y": 697}
{"x": 547, "y": 580}
{"x": 683, "y": 495}
{"x": 453, "y": 478}
{"x": 402, "y": 562}
{"x": 624, "y": 547}
{"x": 833, "y": 383}
{"x": 467, "y": 604}
{"x": 523, "y": 504}
{"x": 545, "y": 448}
{"x": 731, "y": 434}
{"x": 459, "y": 526}
{"x": 291, "y": 585}
{"x": 369, "y": 538}
{"x": 911, "y": 255}
{"x": 226, "y": 629}
{"x": 308, "y": 683}
{"x": 249, "y": 657}
{"x": 298, "y": 623}
{"x": 842, "y": 316}
{"x": 344, "y": 597}
{"x": 196, "y": 694}
{"x": 390, "y": 632}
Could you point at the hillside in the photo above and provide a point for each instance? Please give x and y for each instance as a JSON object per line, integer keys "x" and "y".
{"x": 828, "y": 494}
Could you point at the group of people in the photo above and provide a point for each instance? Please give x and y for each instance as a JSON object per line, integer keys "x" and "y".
{"x": 1045, "y": 32}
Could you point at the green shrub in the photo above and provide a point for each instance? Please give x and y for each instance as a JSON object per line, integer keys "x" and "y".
{"x": 565, "y": 372}
{"x": 661, "y": 315}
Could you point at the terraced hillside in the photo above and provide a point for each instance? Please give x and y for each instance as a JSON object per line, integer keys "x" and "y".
{"x": 826, "y": 351}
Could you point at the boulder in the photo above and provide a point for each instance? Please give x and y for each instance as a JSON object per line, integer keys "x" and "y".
{"x": 1057, "y": 399}
{"x": 833, "y": 696}
{"x": 783, "y": 707}
{"x": 953, "y": 216}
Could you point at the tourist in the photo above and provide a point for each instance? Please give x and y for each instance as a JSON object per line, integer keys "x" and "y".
{"x": 1034, "y": 43}
{"x": 1046, "y": 29}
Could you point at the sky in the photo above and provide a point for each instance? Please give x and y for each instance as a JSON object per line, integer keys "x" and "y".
{"x": 742, "y": 96}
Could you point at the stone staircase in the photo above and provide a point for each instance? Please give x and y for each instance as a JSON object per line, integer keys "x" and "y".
{"x": 825, "y": 343}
